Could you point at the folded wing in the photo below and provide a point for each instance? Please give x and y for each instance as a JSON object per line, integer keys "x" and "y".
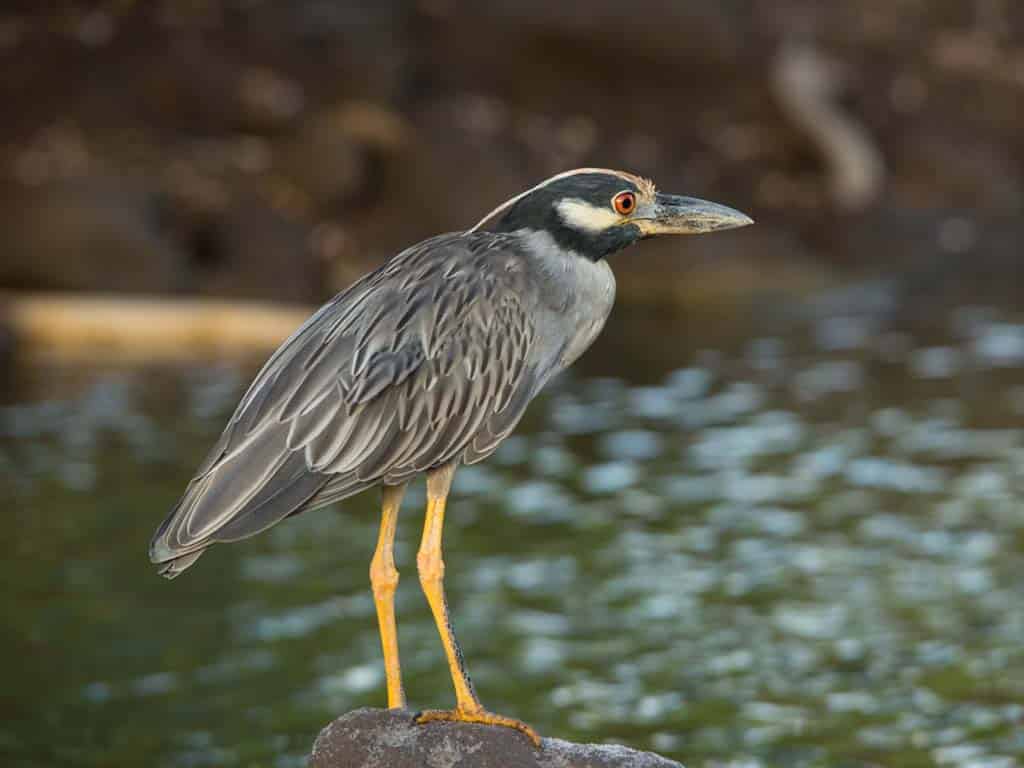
{"x": 431, "y": 359}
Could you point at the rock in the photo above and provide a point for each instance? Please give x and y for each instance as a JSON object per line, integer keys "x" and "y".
{"x": 268, "y": 98}
{"x": 96, "y": 233}
{"x": 253, "y": 250}
{"x": 323, "y": 162}
{"x": 380, "y": 738}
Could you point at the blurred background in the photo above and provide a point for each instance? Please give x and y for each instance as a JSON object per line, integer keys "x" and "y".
{"x": 772, "y": 518}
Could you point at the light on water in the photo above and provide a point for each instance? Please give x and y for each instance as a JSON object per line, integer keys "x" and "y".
{"x": 802, "y": 550}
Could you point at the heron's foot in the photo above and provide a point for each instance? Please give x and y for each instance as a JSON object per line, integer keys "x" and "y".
{"x": 477, "y": 716}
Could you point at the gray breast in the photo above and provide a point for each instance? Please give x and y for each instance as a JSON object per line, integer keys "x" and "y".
{"x": 576, "y": 296}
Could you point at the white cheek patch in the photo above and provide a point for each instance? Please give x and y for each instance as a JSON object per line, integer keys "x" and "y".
{"x": 586, "y": 217}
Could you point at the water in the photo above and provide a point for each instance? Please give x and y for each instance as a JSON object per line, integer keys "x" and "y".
{"x": 793, "y": 543}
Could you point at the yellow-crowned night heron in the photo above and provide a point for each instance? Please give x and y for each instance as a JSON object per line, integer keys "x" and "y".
{"x": 424, "y": 364}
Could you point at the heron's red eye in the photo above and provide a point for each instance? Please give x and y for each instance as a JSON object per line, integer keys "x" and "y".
{"x": 624, "y": 203}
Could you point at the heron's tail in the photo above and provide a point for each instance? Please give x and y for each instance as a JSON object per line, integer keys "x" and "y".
{"x": 171, "y": 568}
{"x": 237, "y": 495}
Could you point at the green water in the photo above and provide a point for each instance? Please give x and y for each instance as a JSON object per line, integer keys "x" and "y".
{"x": 792, "y": 541}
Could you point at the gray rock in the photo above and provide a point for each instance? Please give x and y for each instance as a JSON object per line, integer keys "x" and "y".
{"x": 380, "y": 738}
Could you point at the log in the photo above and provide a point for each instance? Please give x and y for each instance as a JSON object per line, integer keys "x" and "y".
{"x": 98, "y": 328}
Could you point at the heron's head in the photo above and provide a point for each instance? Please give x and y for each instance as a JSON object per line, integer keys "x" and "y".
{"x": 596, "y": 212}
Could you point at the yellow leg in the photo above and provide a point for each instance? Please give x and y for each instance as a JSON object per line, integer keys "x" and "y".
{"x": 431, "y": 571}
{"x": 384, "y": 580}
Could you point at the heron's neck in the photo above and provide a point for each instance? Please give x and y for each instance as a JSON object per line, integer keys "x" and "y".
{"x": 569, "y": 241}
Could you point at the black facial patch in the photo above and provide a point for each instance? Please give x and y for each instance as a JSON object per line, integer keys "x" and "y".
{"x": 539, "y": 211}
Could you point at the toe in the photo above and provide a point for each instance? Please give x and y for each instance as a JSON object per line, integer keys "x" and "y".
{"x": 478, "y": 716}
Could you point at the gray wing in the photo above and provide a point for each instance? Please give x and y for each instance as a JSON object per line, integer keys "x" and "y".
{"x": 431, "y": 359}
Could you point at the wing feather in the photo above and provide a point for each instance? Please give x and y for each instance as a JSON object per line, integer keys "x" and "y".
{"x": 431, "y": 359}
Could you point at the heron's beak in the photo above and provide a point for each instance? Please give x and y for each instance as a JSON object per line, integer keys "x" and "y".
{"x": 676, "y": 215}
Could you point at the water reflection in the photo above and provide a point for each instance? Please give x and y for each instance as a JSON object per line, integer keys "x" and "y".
{"x": 803, "y": 549}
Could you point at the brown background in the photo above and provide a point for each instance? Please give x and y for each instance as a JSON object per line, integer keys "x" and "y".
{"x": 276, "y": 150}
